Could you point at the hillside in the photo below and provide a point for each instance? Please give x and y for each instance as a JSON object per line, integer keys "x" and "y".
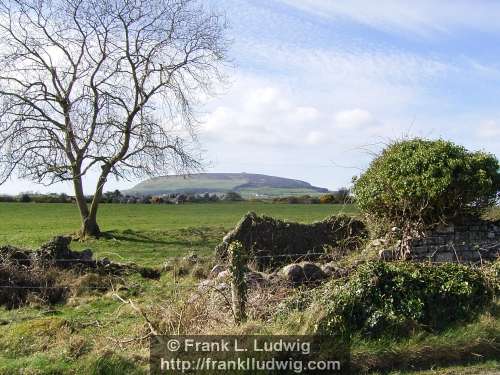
{"x": 244, "y": 183}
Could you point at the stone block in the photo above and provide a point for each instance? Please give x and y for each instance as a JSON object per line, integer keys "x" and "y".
{"x": 471, "y": 256}
{"x": 445, "y": 229}
{"x": 445, "y": 257}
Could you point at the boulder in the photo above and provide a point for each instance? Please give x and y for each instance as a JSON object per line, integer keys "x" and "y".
{"x": 332, "y": 270}
{"x": 293, "y": 273}
{"x": 86, "y": 255}
{"x": 312, "y": 272}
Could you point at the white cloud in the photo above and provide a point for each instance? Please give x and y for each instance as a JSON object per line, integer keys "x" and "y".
{"x": 258, "y": 113}
{"x": 320, "y": 96}
{"x": 353, "y": 119}
{"x": 423, "y": 17}
{"x": 489, "y": 129}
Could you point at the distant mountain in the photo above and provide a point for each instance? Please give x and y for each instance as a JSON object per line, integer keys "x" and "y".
{"x": 247, "y": 184}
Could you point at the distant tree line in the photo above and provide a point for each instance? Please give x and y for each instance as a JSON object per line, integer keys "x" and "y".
{"x": 37, "y": 198}
{"x": 339, "y": 197}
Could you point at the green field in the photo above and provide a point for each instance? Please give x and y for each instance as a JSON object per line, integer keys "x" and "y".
{"x": 146, "y": 234}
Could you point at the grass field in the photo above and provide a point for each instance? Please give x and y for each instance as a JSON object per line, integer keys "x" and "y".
{"x": 94, "y": 333}
{"x": 146, "y": 234}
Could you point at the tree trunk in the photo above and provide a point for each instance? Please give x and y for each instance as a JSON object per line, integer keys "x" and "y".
{"x": 89, "y": 227}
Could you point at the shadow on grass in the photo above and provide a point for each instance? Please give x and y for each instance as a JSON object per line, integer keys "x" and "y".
{"x": 457, "y": 346}
{"x": 184, "y": 237}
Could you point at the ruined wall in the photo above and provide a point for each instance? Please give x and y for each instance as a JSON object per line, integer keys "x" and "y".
{"x": 272, "y": 242}
{"x": 471, "y": 240}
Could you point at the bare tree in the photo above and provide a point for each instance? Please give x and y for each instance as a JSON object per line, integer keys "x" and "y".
{"x": 106, "y": 85}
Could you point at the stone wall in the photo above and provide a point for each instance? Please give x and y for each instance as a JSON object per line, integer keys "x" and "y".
{"x": 471, "y": 240}
{"x": 271, "y": 242}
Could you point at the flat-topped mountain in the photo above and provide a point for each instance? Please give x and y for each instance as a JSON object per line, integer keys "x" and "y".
{"x": 246, "y": 184}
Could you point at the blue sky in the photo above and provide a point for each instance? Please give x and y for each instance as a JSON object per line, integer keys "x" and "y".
{"x": 318, "y": 86}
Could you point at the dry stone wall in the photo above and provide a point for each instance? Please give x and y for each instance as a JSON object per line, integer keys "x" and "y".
{"x": 471, "y": 240}
{"x": 271, "y": 242}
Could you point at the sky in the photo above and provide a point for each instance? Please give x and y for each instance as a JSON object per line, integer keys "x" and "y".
{"x": 317, "y": 87}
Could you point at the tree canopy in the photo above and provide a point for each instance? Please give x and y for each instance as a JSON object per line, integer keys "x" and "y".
{"x": 103, "y": 85}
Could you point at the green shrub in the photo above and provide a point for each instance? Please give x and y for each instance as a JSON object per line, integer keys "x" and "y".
{"x": 395, "y": 298}
{"x": 423, "y": 181}
{"x": 327, "y": 199}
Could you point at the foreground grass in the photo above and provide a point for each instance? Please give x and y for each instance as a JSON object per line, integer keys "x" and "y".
{"x": 94, "y": 333}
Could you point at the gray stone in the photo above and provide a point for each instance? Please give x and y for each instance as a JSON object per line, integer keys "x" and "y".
{"x": 293, "y": 273}
{"x": 386, "y": 254}
{"x": 312, "y": 272}
{"x": 224, "y": 275}
{"x": 205, "y": 285}
{"x": 86, "y": 255}
{"x": 105, "y": 262}
{"x": 445, "y": 257}
{"x": 471, "y": 256}
{"x": 491, "y": 235}
{"x": 216, "y": 270}
{"x": 227, "y": 237}
{"x": 445, "y": 229}
{"x": 332, "y": 270}
{"x": 329, "y": 269}
{"x": 255, "y": 279}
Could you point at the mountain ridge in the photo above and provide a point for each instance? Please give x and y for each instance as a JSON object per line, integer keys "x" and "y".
{"x": 248, "y": 184}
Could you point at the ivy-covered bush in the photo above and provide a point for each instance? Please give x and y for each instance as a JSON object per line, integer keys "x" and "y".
{"x": 424, "y": 181}
{"x": 394, "y": 298}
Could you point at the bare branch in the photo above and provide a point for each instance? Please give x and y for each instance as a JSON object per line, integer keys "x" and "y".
{"x": 108, "y": 85}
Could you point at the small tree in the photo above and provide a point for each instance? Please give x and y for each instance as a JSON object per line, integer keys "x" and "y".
{"x": 25, "y": 198}
{"x": 104, "y": 85}
{"x": 418, "y": 183}
{"x": 343, "y": 195}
